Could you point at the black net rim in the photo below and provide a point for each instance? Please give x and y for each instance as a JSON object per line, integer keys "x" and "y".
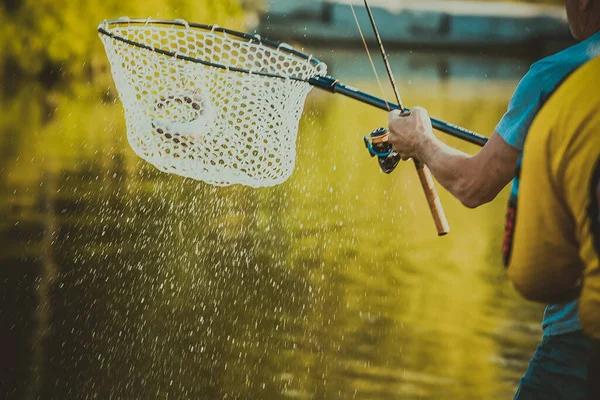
{"x": 103, "y": 29}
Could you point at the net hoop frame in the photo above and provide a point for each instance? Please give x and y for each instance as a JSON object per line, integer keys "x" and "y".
{"x": 253, "y": 39}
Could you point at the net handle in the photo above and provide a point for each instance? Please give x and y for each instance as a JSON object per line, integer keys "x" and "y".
{"x": 326, "y": 83}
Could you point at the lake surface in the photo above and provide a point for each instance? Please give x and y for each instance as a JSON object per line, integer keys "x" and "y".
{"x": 119, "y": 281}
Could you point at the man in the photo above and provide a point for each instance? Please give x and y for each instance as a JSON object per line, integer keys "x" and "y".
{"x": 556, "y": 369}
{"x": 554, "y": 244}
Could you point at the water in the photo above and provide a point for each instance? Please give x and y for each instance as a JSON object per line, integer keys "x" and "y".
{"x": 119, "y": 281}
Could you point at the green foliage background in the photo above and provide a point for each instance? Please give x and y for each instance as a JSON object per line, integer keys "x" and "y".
{"x": 59, "y": 36}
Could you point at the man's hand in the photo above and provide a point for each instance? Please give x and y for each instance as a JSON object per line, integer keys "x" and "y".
{"x": 409, "y": 133}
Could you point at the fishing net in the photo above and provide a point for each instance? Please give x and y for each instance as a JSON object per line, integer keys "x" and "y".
{"x": 209, "y": 103}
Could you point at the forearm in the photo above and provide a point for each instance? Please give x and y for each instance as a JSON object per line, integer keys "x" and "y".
{"x": 458, "y": 172}
{"x": 474, "y": 180}
{"x": 448, "y": 165}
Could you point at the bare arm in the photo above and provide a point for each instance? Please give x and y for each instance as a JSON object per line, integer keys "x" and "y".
{"x": 474, "y": 180}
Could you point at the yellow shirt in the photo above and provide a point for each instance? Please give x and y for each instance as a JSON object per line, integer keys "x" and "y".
{"x": 556, "y": 238}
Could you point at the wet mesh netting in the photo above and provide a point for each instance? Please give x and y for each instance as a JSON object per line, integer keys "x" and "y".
{"x": 206, "y": 104}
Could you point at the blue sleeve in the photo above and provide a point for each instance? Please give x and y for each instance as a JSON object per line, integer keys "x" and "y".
{"x": 522, "y": 109}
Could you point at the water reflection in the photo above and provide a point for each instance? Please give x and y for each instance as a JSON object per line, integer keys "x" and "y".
{"x": 117, "y": 280}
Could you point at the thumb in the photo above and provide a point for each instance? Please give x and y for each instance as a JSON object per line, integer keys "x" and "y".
{"x": 420, "y": 112}
{"x": 395, "y": 114}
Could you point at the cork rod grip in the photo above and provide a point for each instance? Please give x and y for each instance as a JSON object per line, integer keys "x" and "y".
{"x": 435, "y": 205}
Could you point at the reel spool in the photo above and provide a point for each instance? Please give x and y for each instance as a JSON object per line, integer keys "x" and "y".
{"x": 378, "y": 145}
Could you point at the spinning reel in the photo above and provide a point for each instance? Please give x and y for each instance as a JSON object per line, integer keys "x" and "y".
{"x": 378, "y": 144}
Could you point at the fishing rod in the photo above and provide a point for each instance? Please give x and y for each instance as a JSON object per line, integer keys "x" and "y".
{"x": 334, "y": 85}
{"x": 378, "y": 142}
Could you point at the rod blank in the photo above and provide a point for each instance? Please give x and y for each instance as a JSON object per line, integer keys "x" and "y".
{"x": 333, "y": 85}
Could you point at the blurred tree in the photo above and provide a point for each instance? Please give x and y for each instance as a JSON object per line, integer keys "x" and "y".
{"x": 58, "y": 37}
{"x": 254, "y": 5}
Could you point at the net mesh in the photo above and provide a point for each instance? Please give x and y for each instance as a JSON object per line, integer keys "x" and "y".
{"x": 204, "y": 122}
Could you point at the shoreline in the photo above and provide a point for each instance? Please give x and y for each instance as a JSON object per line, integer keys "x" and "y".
{"x": 520, "y": 30}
